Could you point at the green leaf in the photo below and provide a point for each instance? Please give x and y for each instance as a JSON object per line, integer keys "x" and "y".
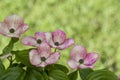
{"x": 102, "y": 75}
{"x": 58, "y": 66}
{"x": 10, "y": 46}
{"x": 73, "y": 75}
{"x": 23, "y": 57}
{"x": 22, "y": 76}
{"x": 2, "y": 68}
{"x": 12, "y": 73}
{"x": 32, "y": 74}
{"x": 84, "y": 73}
{"x": 61, "y": 67}
{"x": 57, "y": 75}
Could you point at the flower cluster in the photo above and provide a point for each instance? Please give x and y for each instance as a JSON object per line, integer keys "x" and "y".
{"x": 40, "y": 61}
{"x": 14, "y": 26}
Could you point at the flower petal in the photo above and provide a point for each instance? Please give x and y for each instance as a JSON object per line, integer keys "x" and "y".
{"x": 78, "y": 52}
{"x": 49, "y": 40}
{"x": 82, "y": 66}
{"x": 44, "y": 47}
{"x": 73, "y": 64}
{"x": 90, "y": 59}
{"x": 13, "y": 21}
{"x": 21, "y": 29}
{"x": 59, "y": 36}
{"x": 34, "y": 57}
{"x": 43, "y": 64}
{"x": 44, "y": 50}
{"x": 29, "y": 41}
{"x": 40, "y": 35}
{"x": 66, "y": 44}
{"x": 53, "y": 58}
{"x": 3, "y": 29}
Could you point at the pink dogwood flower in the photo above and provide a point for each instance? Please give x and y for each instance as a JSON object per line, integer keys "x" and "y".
{"x": 43, "y": 56}
{"x": 58, "y": 40}
{"x": 38, "y": 38}
{"x": 79, "y": 58}
{"x": 13, "y": 26}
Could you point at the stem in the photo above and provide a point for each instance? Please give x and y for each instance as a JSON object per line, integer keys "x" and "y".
{"x": 55, "y": 50}
{"x": 11, "y": 60}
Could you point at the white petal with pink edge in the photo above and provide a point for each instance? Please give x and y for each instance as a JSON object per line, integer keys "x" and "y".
{"x": 73, "y": 64}
{"x": 49, "y": 39}
{"x": 66, "y": 44}
{"x": 29, "y": 41}
{"x": 78, "y": 52}
{"x": 3, "y": 29}
{"x": 13, "y": 21}
{"x": 59, "y": 36}
{"x": 34, "y": 57}
{"x": 53, "y": 58}
{"x": 82, "y": 66}
{"x": 42, "y": 64}
{"x": 21, "y": 29}
{"x": 40, "y": 35}
{"x": 44, "y": 47}
{"x": 90, "y": 59}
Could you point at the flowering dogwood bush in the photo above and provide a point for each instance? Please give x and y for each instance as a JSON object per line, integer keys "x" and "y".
{"x": 40, "y": 62}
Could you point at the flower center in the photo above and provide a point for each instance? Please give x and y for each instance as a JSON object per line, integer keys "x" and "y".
{"x": 43, "y": 59}
{"x": 81, "y": 61}
{"x": 11, "y": 30}
{"x": 39, "y": 41}
{"x": 57, "y": 43}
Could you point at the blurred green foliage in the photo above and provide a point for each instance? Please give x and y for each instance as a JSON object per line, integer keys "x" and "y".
{"x": 92, "y": 23}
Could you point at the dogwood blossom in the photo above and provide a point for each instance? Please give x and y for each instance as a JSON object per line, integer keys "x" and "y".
{"x": 13, "y": 26}
{"x": 79, "y": 58}
{"x": 58, "y": 39}
{"x": 43, "y": 56}
{"x": 38, "y": 38}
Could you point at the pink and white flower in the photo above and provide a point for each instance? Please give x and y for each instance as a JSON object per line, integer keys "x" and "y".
{"x": 58, "y": 40}
{"x": 36, "y": 41}
{"x": 79, "y": 58}
{"x": 13, "y": 26}
{"x": 43, "y": 56}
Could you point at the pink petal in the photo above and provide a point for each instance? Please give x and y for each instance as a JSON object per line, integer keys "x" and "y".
{"x": 66, "y": 44}
{"x": 3, "y": 29}
{"x": 44, "y": 47}
{"x": 53, "y": 58}
{"x": 40, "y": 35}
{"x": 29, "y": 41}
{"x": 49, "y": 40}
{"x": 34, "y": 57}
{"x": 73, "y": 64}
{"x": 13, "y": 35}
{"x": 13, "y": 21}
{"x": 21, "y": 29}
{"x": 78, "y": 52}
{"x": 82, "y": 66}
{"x": 90, "y": 59}
{"x": 43, "y": 64}
{"x": 59, "y": 36}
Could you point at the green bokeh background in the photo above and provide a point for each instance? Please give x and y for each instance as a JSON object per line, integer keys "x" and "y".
{"x": 94, "y": 24}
